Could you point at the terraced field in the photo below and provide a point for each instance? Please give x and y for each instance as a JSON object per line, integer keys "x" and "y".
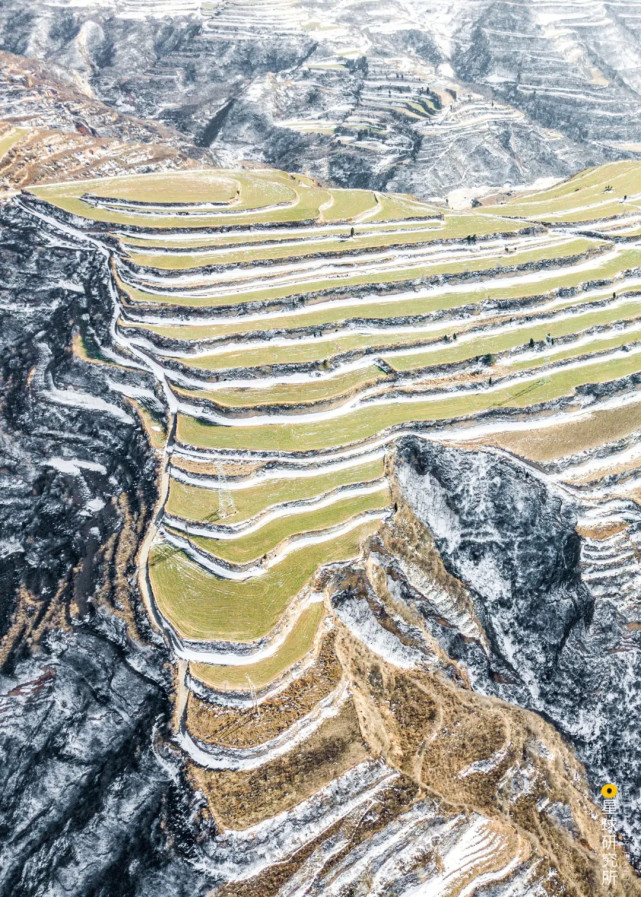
{"x": 303, "y": 329}
{"x": 294, "y": 333}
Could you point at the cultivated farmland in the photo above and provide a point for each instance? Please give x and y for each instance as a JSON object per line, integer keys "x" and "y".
{"x": 304, "y": 329}
{"x": 288, "y": 335}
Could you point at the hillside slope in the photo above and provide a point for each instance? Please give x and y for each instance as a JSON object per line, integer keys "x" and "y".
{"x": 411, "y": 96}
{"x": 394, "y": 550}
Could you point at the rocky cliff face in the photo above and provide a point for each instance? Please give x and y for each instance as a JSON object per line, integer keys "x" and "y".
{"x": 87, "y": 805}
{"x": 413, "y": 97}
{"x": 510, "y": 539}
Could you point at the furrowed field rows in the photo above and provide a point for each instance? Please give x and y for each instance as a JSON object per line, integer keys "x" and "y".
{"x": 336, "y": 354}
{"x": 466, "y": 317}
{"x": 347, "y": 426}
{"x": 256, "y": 541}
{"x": 201, "y": 606}
{"x": 189, "y": 498}
{"x": 435, "y": 302}
{"x": 598, "y": 330}
{"x": 291, "y": 352}
{"x": 391, "y": 268}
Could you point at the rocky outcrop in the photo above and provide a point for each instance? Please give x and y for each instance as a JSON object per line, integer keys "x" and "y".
{"x": 511, "y": 540}
{"x": 88, "y": 805}
{"x": 509, "y": 537}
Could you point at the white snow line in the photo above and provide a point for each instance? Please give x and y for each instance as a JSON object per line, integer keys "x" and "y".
{"x": 219, "y": 757}
{"x": 74, "y": 465}
{"x": 275, "y": 512}
{"x": 289, "y": 469}
{"x": 252, "y": 697}
{"x": 244, "y": 654}
{"x": 242, "y": 573}
{"x": 75, "y": 398}
{"x": 251, "y": 280}
{"x": 239, "y": 855}
{"x": 357, "y": 403}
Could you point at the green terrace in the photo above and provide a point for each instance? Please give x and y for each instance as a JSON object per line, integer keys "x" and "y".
{"x": 244, "y": 549}
{"x": 598, "y": 193}
{"x": 371, "y": 420}
{"x": 195, "y": 502}
{"x": 544, "y": 284}
{"x": 254, "y": 288}
{"x": 296, "y": 646}
{"x": 321, "y": 345}
{"x": 200, "y": 605}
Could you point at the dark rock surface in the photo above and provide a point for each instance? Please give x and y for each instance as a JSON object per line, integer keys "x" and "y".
{"x": 510, "y": 537}
{"x": 86, "y": 805}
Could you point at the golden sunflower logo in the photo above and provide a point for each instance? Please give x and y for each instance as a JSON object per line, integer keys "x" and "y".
{"x": 609, "y": 790}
